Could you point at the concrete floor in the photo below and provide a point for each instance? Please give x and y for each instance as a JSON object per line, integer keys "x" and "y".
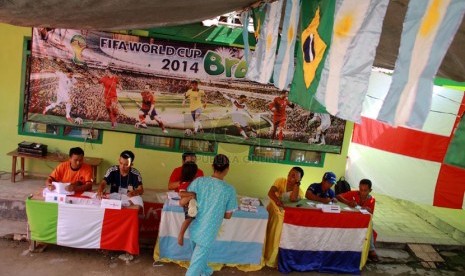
{"x": 16, "y": 259}
{"x": 397, "y": 222}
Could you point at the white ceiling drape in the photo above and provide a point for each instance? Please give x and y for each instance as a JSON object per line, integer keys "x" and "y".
{"x": 113, "y": 14}
{"x": 144, "y": 14}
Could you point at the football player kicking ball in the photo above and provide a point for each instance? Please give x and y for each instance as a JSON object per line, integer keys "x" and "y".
{"x": 325, "y": 123}
{"x": 240, "y": 114}
{"x": 66, "y": 83}
{"x": 195, "y": 96}
{"x": 148, "y": 108}
{"x": 278, "y": 107}
{"x": 110, "y": 82}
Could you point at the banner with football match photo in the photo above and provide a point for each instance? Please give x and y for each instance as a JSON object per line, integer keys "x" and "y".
{"x": 119, "y": 82}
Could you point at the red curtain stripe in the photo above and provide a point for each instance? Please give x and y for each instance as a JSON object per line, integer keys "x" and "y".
{"x": 400, "y": 140}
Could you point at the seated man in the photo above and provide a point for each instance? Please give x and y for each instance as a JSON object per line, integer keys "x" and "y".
{"x": 283, "y": 189}
{"x": 364, "y": 200}
{"x": 74, "y": 171}
{"x": 175, "y": 178}
{"x": 322, "y": 192}
{"x": 287, "y": 189}
{"x": 124, "y": 179}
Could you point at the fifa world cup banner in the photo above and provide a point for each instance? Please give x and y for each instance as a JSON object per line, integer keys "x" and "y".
{"x": 144, "y": 85}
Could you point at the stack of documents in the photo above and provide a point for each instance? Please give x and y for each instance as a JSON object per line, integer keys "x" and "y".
{"x": 249, "y": 204}
{"x": 248, "y": 208}
{"x": 250, "y": 201}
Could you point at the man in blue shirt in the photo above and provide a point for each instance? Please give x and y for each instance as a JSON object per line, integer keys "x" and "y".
{"x": 322, "y": 192}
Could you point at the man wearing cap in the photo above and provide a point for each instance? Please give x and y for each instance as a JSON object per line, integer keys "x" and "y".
{"x": 322, "y": 192}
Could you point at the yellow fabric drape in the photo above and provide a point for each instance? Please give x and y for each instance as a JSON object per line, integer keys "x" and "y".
{"x": 275, "y": 224}
{"x": 273, "y": 234}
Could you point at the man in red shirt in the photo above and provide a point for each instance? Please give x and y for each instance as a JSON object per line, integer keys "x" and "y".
{"x": 175, "y": 178}
{"x": 278, "y": 107}
{"x": 148, "y": 108}
{"x": 362, "y": 199}
{"x": 110, "y": 83}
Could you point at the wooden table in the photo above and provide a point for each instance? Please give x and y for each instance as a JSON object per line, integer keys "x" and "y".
{"x": 94, "y": 162}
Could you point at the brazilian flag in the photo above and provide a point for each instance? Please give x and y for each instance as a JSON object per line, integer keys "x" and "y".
{"x": 316, "y": 27}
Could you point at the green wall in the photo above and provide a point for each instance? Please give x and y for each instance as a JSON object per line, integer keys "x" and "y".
{"x": 249, "y": 177}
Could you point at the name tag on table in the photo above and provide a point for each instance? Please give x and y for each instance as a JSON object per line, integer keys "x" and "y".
{"x": 110, "y": 204}
{"x": 329, "y": 208}
{"x": 54, "y": 197}
{"x": 365, "y": 212}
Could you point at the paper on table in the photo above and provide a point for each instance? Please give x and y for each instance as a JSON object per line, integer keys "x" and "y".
{"x": 46, "y": 192}
{"x": 60, "y": 187}
{"x": 55, "y": 197}
{"x": 89, "y": 194}
{"x": 250, "y": 201}
{"x": 114, "y": 196}
{"x": 111, "y": 204}
{"x": 363, "y": 211}
{"x": 83, "y": 201}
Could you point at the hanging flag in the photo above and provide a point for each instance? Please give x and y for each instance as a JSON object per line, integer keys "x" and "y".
{"x": 428, "y": 30}
{"x": 284, "y": 65}
{"x": 455, "y": 153}
{"x": 261, "y": 63}
{"x": 81, "y": 226}
{"x": 245, "y": 34}
{"x": 344, "y": 79}
{"x": 316, "y": 25}
{"x": 258, "y": 16}
{"x": 409, "y": 163}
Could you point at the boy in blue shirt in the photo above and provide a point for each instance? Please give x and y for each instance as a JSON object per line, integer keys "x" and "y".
{"x": 322, "y": 192}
